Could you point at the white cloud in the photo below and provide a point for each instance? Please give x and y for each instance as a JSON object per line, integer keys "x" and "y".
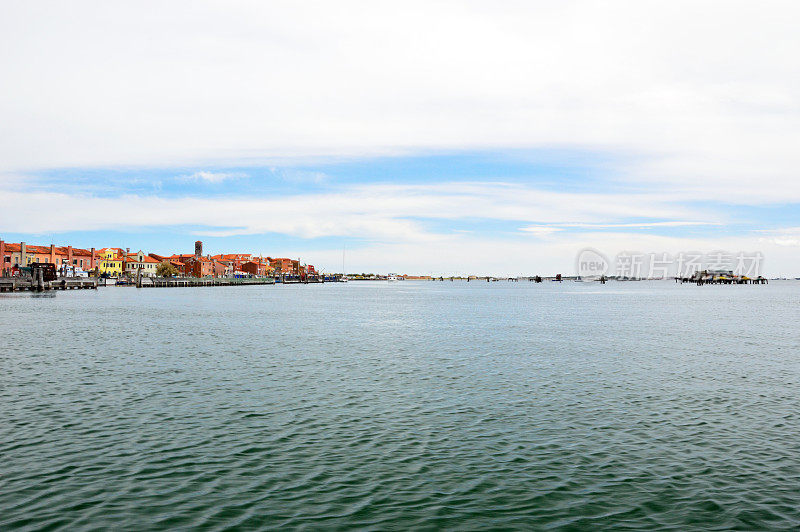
{"x": 293, "y": 175}
{"x": 212, "y": 177}
{"x": 671, "y": 223}
{"x": 368, "y": 211}
{"x": 784, "y": 241}
{"x": 694, "y": 97}
{"x": 390, "y": 224}
{"x": 784, "y": 237}
{"x": 540, "y": 230}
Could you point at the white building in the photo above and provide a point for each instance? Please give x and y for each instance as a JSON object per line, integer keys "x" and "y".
{"x": 139, "y": 260}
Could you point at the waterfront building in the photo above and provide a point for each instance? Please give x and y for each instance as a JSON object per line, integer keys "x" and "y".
{"x": 38, "y": 254}
{"x": 110, "y": 261}
{"x": 285, "y": 266}
{"x": 179, "y": 266}
{"x": 118, "y": 261}
{"x": 81, "y": 258}
{"x": 75, "y": 257}
{"x": 21, "y": 254}
{"x": 12, "y": 255}
{"x": 139, "y": 261}
{"x": 193, "y": 265}
{"x": 221, "y": 268}
{"x": 180, "y": 257}
{"x": 4, "y": 265}
{"x": 259, "y": 269}
{"x": 199, "y": 266}
{"x": 234, "y": 260}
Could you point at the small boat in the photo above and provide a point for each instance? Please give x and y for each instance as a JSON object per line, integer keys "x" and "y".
{"x": 392, "y": 277}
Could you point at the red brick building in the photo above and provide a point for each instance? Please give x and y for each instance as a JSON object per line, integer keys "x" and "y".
{"x": 255, "y": 268}
{"x": 285, "y": 266}
{"x": 199, "y": 267}
{"x": 221, "y": 268}
{"x": 234, "y": 261}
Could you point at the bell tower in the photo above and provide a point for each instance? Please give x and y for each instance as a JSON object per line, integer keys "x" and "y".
{"x": 198, "y": 249}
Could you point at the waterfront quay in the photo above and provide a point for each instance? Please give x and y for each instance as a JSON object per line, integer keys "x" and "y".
{"x": 186, "y": 282}
{"x": 17, "y": 284}
{"x": 172, "y": 282}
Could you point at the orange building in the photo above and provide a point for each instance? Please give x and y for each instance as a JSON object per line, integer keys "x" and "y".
{"x": 285, "y": 266}
{"x": 234, "y": 260}
{"x": 179, "y": 266}
{"x": 82, "y": 258}
{"x": 21, "y": 254}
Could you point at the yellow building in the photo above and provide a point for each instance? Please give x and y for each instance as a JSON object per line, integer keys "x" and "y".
{"x": 109, "y": 261}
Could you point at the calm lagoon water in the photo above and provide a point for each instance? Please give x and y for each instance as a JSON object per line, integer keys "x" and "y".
{"x": 411, "y": 405}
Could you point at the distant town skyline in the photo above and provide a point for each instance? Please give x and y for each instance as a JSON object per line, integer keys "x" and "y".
{"x": 446, "y": 139}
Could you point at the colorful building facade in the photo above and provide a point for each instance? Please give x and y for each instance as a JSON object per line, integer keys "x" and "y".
{"x": 111, "y": 261}
{"x": 117, "y": 261}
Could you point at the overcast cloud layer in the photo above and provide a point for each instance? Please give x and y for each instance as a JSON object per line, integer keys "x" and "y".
{"x": 686, "y": 102}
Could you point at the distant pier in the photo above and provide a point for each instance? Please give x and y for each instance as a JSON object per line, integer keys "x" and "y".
{"x": 719, "y": 277}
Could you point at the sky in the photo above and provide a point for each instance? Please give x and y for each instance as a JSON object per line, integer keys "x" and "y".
{"x": 443, "y": 138}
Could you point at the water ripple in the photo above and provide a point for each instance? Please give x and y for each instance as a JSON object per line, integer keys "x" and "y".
{"x": 417, "y": 406}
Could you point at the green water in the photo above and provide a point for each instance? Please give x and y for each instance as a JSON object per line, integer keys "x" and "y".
{"x": 408, "y": 405}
